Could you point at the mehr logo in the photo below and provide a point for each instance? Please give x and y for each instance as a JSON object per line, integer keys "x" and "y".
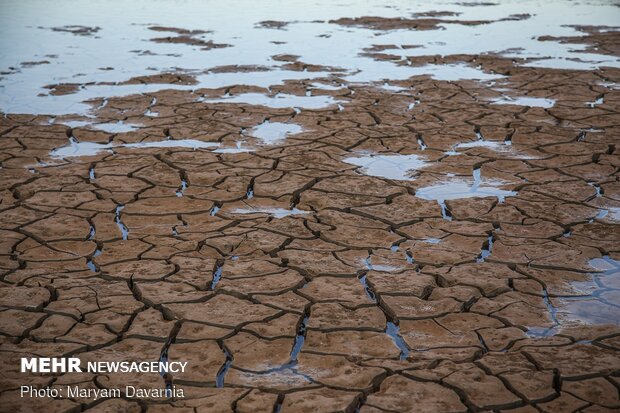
{"x": 51, "y": 365}
{"x": 72, "y": 364}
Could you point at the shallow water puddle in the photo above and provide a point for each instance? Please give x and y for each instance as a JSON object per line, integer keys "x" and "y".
{"x": 217, "y": 275}
{"x": 221, "y": 374}
{"x": 278, "y": 101}
{"x": 75, "y": 148}
{"x": 181, "y": 190}
{"x": 115, "y": 127}
{"x": 599, "y": 101}
{"x": 413, "y": 105}
{"x": 239, "y": 148}
{"x": 525, "y": 101}
{"x": 325, "y": 86}
{"x": 393, "y": 88}
{"x": 274, "y": 132}
{"x": 369, "y": 292}
{"x": 480, "y": 142}
{"x": 398, "y": 167}
{"x": 494, "y": 145}
{"x": 263, "y": 78}
{"x": 393, "y": 331}
{"x": 300, "y": 339}
{"x": 597, "y": 302}
{"x": 274, "y": 212}
{"x": 613, "y": 214}
{"x": 459, "y": 189}
{"x": 234, "y": 150}
{"x": 446, "y": 72}
{"x": 601, "y": 305}
{"x": 379, "y": 267}
{"x": 214, "y": 210}
{"x": 487, "y": 249}
{"x": 89, "y": 261}
{"x": 121, "y": 226}
{"x": 504, "y": 147}
{"x": 148, "y": 112}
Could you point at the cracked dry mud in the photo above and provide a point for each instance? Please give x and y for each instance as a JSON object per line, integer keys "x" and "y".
{"x": 292, "y": 280}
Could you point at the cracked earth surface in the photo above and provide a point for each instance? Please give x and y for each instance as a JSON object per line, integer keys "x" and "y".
{"x": 293, "y": 279}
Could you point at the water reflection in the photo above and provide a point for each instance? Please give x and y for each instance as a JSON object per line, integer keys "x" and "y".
{"x": 279, "y": 100}
{"x": 594, "y": 302}
{"x": 277, "y": 213}
{"x": 75, "y": 148}
{"x": 400, "y": 167}
{"x": 459, "y": 188}
{"x": 524, "y": 101}
{"x": 273, "y": 132}
{"x": 99, "y": 46}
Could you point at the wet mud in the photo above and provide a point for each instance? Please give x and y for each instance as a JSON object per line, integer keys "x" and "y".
{"x": 326, "y": 241}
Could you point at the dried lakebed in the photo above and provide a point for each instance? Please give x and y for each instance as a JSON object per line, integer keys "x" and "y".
{"x": 354, "y": 208}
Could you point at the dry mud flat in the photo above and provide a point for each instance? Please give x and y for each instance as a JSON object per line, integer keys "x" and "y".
{"x": 421, "y": 246}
